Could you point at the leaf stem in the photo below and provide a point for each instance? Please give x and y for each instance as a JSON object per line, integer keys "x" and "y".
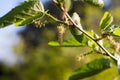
{"x": 55, "y": 19}
{"x": 97, "y": 42}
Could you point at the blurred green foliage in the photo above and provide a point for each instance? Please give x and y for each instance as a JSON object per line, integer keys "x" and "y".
{"x": 42, "y": 62}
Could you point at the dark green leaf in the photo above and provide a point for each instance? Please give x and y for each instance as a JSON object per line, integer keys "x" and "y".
{"x": 67, "y": 43}
{"x": 106, "y": 20}
{"x": 84, "y": 39}
{"x": 91, "y": 68}
{"x": 23, "y": 14}
{"x": 99, "y": 3}
{"x": 79, "y": 36}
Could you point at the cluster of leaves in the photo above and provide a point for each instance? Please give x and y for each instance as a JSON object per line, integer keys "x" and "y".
{"x": 32, "y": 11}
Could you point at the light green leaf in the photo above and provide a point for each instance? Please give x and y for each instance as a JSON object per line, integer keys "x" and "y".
{"x": 67, "y": 43}
{"x": 23, "y": 14}
{"x": 99, "y": 3}
{"x": 91, "y": 68}
{"x": 116, "y": 32}
{"x": 66, "y": 3}
{"x": 106, "y": 20}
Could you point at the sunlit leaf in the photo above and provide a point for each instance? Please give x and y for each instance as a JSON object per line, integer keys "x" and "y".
{"x": 110, "y": 28}
{"x": 66, "y": 3}
{"x": 99, "y": 3}
{"x": 75, "y": 32}
{"x": 91, "y": 68}
{"x": 23, "y": 14}
{"x": 67, "y": 43}
{"x": 106, "y": 20}
{"x": 76, "y": 20}
{"x": 116, "y": 32}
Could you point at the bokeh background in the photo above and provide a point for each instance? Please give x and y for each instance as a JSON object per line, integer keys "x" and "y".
{"x": 26, "y": 55}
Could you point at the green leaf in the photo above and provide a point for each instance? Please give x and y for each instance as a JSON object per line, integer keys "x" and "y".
{"x": 113, "y": 30}
{"x": 106, "y": 20}
{"x": 76, "y": 20}
{"x": 99, "y": 3}
{"x": 66, "y": 3}
{"x": 67, "y": 43}
{"x": 47, "y": 18}
{"x": 91, "y": 68}
{"x": 110, "y": 28}
{"x": 25, "y": 13}
{"x": 79, "y": 36}
{"x": 75, "y": 32}
{"x": 83, "y": 39}
{"x": 116, "y": 32}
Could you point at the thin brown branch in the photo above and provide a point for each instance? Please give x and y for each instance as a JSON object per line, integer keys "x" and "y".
{"x": 76, "y": 26}
{"x": 97, "y": 42}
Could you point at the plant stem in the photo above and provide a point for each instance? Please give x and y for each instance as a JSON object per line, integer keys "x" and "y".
{"x": 97, "y": 42}
{"x": 76, "y": 26}
{"x": 53, "y": 19}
